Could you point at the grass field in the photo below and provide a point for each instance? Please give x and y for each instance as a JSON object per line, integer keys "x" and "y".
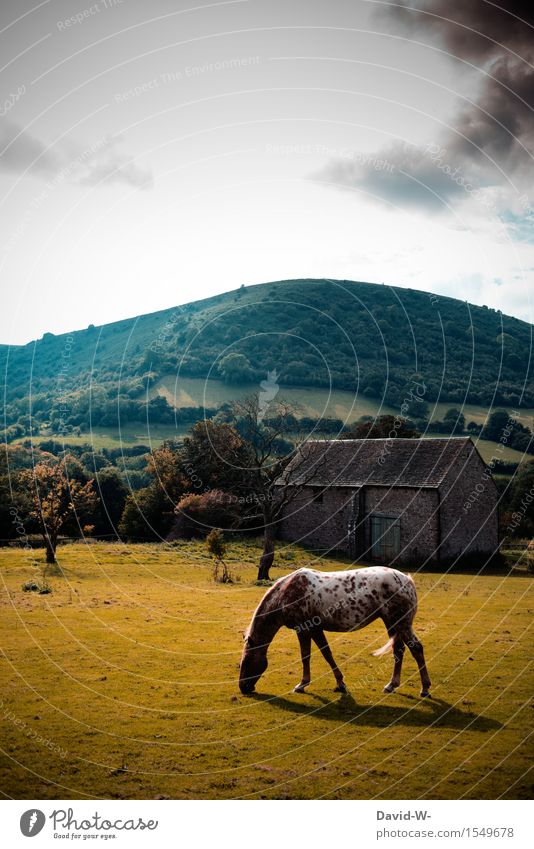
{"x": 196, "y": 392}
{"x": 137, "y": 433}
{"x": 132, "y": 433}
{"x": 122, "y": 683}
{"x": 313, "y": 401}
{"x": 493, "y": 450}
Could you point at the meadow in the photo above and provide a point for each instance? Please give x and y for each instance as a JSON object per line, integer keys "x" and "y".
{"x": 186, "y": 392}
{"x": 122, "y": 683}
{"x": 313, "y": 401}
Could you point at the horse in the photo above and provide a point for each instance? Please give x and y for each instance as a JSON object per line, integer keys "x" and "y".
{"x": 311, "y": 602}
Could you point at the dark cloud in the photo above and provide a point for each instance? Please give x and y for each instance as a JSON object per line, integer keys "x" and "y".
{"x": 490, "y": 141}
{"x": 402, "y": 176}
{"x": 472, "y": 29}
{"x": 500, "y": 38}
{"x": 101, "y": 163}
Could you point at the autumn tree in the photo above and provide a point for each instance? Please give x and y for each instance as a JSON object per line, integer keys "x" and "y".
{"x": 166, "y": 465}
{"x": 57, "y": 501}
{"x": 214, "y": 508}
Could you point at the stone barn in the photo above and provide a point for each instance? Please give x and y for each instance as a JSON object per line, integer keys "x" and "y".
{"x": 393, "y": 501}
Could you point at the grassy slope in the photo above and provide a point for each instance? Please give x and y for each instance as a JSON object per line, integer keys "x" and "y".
{"x": 195, "y": 392}
{"x": 130, "y": 667}
{"x": 314, "y": 401}
{"x": 133, "y": 433}
{"x": 311, "y": 401}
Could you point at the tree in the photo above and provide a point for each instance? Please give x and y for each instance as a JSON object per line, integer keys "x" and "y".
{"x": 57, "y": 501}
{"x": 454, "y": 421}
{"x": 235, "y": 368}
{"x": 8, "y": 495}
{"x": 266, "y": 459}
{"x": 495, "y": 425}
{"x": 502, "y": 427}
{"x": 473, "y": 428}
{"x": 146, "y": 515}
{"x": 523, "y": 442}
{"x": 166, "y": 465}
{"x": 520, "y": 508}
{"x": 159, "y": 410}
{"x": 113, "y": 493}
{"x": 149, "y": 512}
{"x": 385, "y": 427}
{"x": 214, "y": 508}
{"x": 246, "y": 455}
{"x": 213, "y": 455}
{"x": 417, "y": 409}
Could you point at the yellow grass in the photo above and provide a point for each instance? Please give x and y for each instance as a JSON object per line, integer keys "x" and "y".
{"x": 122, "y": 683}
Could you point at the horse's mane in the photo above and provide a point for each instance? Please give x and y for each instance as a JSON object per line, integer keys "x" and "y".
{"x": 262, "y": 607}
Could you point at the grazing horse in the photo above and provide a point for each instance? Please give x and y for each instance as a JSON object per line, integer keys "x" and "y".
{"x": 312, "y": 602}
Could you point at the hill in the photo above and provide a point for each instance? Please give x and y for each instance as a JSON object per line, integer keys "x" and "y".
{"x": 372, "y": 341}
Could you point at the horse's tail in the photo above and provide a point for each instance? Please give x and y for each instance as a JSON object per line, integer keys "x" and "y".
{"x": 385, "y": 648}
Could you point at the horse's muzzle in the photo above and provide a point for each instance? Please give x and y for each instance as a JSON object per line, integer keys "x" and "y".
{"x": 246, "y": 687}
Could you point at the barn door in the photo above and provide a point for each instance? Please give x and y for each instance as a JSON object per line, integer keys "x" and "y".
{"x": 385, "y": 538}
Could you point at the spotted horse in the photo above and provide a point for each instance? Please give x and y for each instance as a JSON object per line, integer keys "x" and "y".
{"x": 312, "y": 602}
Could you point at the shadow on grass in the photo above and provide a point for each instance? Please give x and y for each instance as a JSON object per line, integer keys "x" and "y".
{"x": 416, "y": 712}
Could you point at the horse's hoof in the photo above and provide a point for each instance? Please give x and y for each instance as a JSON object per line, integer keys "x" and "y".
{"x": 341, "y": 688}
{"x": 389, "y": 688}
{"x": 300, "y": 688}
{"x": 425, "y": 694}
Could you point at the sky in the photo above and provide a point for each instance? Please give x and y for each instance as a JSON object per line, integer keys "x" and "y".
{"x": 156, "y": 153}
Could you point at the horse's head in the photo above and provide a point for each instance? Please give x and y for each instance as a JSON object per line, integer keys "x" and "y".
{"x": 253, "y": 665}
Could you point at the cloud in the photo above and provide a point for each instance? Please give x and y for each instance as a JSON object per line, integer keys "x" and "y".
{"x": 102, "y": 163}
{"x": 108, "y": 165}
{"x": 20, "y": 152}
{"x": 409, "y": 177}
{"x": 501, "y": 125}
{"x": 490, "y": 143}
{"x": 474, "y": 30}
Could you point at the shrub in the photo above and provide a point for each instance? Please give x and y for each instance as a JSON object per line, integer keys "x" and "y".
{"x": 33, "y": 586}
{"x": 213, "y": 509}
{"x": 217, "y": 548}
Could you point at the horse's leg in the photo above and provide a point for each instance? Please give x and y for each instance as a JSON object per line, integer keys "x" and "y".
{"x": 398, "y": 654}
{"x": 417, "y": 650}
{"x": 305, "y": 651}
{"x": 320, "y": 639}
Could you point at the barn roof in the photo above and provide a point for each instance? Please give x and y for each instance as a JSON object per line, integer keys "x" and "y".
{"x": 378, "y": 462}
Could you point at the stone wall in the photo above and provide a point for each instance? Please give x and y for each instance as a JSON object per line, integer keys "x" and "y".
{"x": 417, "y": 510}
{"x": 470, "y": 528}
{"x": 320, "y": 524}
{"x": 340, "y": 521}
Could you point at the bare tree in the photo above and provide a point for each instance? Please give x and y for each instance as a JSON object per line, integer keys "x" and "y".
{"x": 275, "y": 468}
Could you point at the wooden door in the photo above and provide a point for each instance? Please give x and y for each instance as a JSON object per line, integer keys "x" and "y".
{"x": 385, "y": 538}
